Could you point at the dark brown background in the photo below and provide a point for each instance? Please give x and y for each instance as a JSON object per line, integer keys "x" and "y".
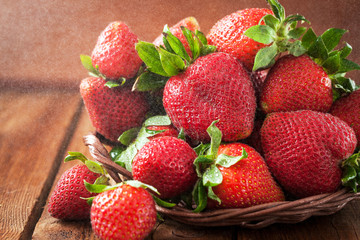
{"x": 41, "y": 40}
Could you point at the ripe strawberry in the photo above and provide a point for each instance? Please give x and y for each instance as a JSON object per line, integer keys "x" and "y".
{"x": 65, "y": 202}
{"x": 112, "y": 110}
{"x": 214, "y": 87}
{"x": 114, "y": 52}
{"x": 296, "y": 83}
{"x": 246, "y": 183}
{"x": 125, "y": 212}
{"x": 348, "y": 110}
{"x": 167, "y": 164}
{"x": 228, "y": 34}
{"x": 304, "y": 149}
{"x": 190, "y": 23}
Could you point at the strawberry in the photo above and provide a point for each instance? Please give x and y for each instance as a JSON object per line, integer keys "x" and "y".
{"x": 246, "y": 183}
{"x": 296, "y": 83}
{"x": 66, "y": 201}
{"x": 126, "y": 212}
{"x": 215, "y": 86}
{"x": 114, "y": 53}
{"x": 348, "y": 110}
{"x": 112, "y": 110}
{"x": 167, "y": 164}
{"x": 162, "y": 131}
{"x": 228, "y": 34}
{"x": 190, "y": 23}
{"x": 304, "y": 149}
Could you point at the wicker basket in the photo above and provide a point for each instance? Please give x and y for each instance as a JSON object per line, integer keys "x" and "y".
{"x": 253, "y": 217}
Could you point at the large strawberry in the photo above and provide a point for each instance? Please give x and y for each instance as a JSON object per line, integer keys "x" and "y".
{"x": 112, "y": 110}
{"x": 126, "y": 212}
{"x": 66, "y": 201}
{"x": 190, "y": 23}
{"x": 228, "y": 34}
{"x": 348, "y": 109}
{"x": 304, "y": 150}
{"x": 167, "y": 164}
{"x": 214, "y": 87}
{"x": 114, "y": 53}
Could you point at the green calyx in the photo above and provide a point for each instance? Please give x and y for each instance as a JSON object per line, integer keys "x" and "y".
{"x": 351, "y": 172}
{"x": 280, "y": 32}
{"x": 163, "y": 62}
{"x": 94, "y": 72}
{"x": 322, "y": 50}
{"x": 206, "y": 165}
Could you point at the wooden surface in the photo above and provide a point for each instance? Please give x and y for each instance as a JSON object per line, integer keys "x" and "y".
{"x": 42, "y": 116}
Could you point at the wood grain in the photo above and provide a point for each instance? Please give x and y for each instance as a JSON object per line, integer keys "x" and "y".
{"x": 33, "y": 129}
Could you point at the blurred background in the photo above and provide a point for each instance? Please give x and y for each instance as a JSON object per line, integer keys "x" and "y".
{"x": 41, "y": 40}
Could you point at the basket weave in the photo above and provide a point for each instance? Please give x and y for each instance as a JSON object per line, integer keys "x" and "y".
{"x": 252, "y": 217}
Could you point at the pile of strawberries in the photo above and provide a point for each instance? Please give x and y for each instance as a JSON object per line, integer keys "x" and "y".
{"x": 259, "y": 110}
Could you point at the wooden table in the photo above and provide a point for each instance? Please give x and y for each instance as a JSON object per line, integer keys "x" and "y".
{"x": 42, "y": 115}
{"x": 37, "y": 130}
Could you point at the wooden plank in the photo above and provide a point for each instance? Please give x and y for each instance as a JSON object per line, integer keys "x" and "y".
{"x": 33, "y": 130}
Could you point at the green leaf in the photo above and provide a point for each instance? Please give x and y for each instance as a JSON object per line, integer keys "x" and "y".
{"x": 297, "y": 32}
{"x": 215, "y": 136}
{"x": 177, "y": 46}
{"x": 87, "y": 63}
{"x": 207, "y": 49}
{"x": 346, "y": 50}
{"x": 126, "y": 157}
{"x": 318, "y": 50}
{"x": 213, "y": 196}
{"x": 271, "y": 21}
{"x": 112, "y": 84}
{"x": 202, "y": 148}
{"x": 265, "y": 57}
{"x": 128, "y": 136}
{"x": 115, "y": 152}
{"x": 202, "y": 162}
{"x": 332, "y": 36}
{"x": 277, "y": 9}
{"x": 75, "y": 156}
{"x": 181, "y": 135}
{"x": 332, "y": 63}
{"x": 296, "y": 48}
{"x": 148, "y": 81}
{"x": 158, "y": 121}
{"x": 342, "y": 86}
{"x": 102, "y": 180}
{"x": 347, "y": 66}
{"x": 309, "y": 38}
{"x": 261, "y": 33}
{"x": 351, "y": 172}
{"x": 295, "y": 18}
{"x": 150, "y": 56}
{"x": 96, "y": 188}
{"x": 138, "y": 184}
{"x": 163, "y": 203}
{"x": 89, "y": 200}
{"x": 201, "y": 36}
{"x": 190, "y": 39}
{"x": 212, "y": 176}
{"x": 227, "y": 161}
{"x": 171, "y": 63}
{"x": 95, "y": 167}
{"x": 199, "y": 196}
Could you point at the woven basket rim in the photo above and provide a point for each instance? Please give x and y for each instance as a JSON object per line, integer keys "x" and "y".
{"x": 254, "y": 217}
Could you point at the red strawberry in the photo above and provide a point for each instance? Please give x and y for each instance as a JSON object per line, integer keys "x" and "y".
{"x": 214, "y": 87}
{"x": 258, "y": 79}
{"x": 167, "y": 164}
{"x": 112, "y": 110}
{"x": 228, "y": 34}
{"x": 348, "y": 110}
{"x": 246, "y": 183}
{"x": 296, "y": 83}
{"x": 126, "y": 212}
{"x": 65, "y": 202}
{"x": 115, "y": 53}
{"x": 190, "y": 23}
{"x": 304, "y": 149}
